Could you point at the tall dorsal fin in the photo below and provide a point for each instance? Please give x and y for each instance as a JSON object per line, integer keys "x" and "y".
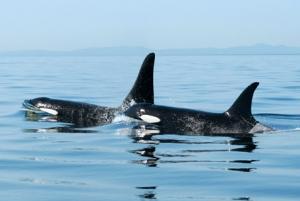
{"x": 142, "y": 90}
{"x": 242, "y": 105}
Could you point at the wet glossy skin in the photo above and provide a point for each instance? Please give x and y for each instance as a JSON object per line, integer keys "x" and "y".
{"x": 237, "y": 119}
{"x": 81, "y": 114}
{"x": 174, "y": 120}
{"x": 84, "y": 114}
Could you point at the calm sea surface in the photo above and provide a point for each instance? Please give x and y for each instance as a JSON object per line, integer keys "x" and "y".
{"x": 42, "y": 160}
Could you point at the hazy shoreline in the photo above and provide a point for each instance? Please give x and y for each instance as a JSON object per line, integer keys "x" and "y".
{"x": 259, "y": 49}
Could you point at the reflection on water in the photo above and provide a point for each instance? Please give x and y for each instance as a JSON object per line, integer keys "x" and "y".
{"x": 242, "y": 142}
{"x": 191, "y": 148}
{"x": 62, "y": 129}
{"x": 44, "y": 158}
{"x": 149, "y": 192}
{"x": 150, "y": 136}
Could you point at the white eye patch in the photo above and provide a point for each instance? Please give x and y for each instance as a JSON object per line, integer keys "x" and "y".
{"x": 149, "y": 118}
{"x": 50, "y": 111}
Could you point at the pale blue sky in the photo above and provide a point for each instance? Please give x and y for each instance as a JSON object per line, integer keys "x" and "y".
{"x": 74, "y": 24}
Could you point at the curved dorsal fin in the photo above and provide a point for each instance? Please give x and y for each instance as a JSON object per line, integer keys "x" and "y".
{"x": 242, "y": 105}
{"x": 142, "y": 90}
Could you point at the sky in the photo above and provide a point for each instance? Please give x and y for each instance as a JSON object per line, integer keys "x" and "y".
{"x": 157, "y": 24}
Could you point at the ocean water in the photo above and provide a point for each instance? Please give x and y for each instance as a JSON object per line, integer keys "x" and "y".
{"x": 44, "y": 160}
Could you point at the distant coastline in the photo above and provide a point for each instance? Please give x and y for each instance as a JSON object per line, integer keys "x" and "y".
{"x": 258, "y": 49}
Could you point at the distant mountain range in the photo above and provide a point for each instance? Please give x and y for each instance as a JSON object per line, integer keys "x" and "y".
{"x": 258, "y": 49}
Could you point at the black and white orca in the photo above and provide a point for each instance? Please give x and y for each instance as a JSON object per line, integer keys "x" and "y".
{"x": 237, "y": 119}
{"x": 84, "y": 114}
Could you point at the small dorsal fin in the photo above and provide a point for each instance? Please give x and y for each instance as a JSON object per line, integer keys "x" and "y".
{"x": 242, "y": 105}
{"x": 142, "y": 90}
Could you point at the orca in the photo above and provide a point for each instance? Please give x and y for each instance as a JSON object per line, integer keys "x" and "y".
{"x": 237, "y": 119}
{"x": 85, "y": 114}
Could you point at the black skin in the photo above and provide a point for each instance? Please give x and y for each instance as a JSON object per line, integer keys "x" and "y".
{"x": 78, "y": 113}
{"x": 180, "y": 120}
{"x": 238, "y": 119}
{"x": 84, "y": 114}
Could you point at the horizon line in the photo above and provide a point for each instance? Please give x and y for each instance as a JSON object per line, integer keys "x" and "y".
{"x": 153, "y": 49}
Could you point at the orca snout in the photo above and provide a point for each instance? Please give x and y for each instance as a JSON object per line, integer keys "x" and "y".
{"x": 142, "y": 112}
{"x": 28, "y": 104}
{"x": 33, "y": 103}
{"x": 134, "y": 111}
{"x": 40, "y": 105}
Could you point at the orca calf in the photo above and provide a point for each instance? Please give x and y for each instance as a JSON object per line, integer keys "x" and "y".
{"x": 237, "y": 119}
{"x": 84, "y": 114}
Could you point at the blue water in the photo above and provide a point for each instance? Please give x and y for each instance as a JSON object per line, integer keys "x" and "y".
{"x": 41, "y": 160}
